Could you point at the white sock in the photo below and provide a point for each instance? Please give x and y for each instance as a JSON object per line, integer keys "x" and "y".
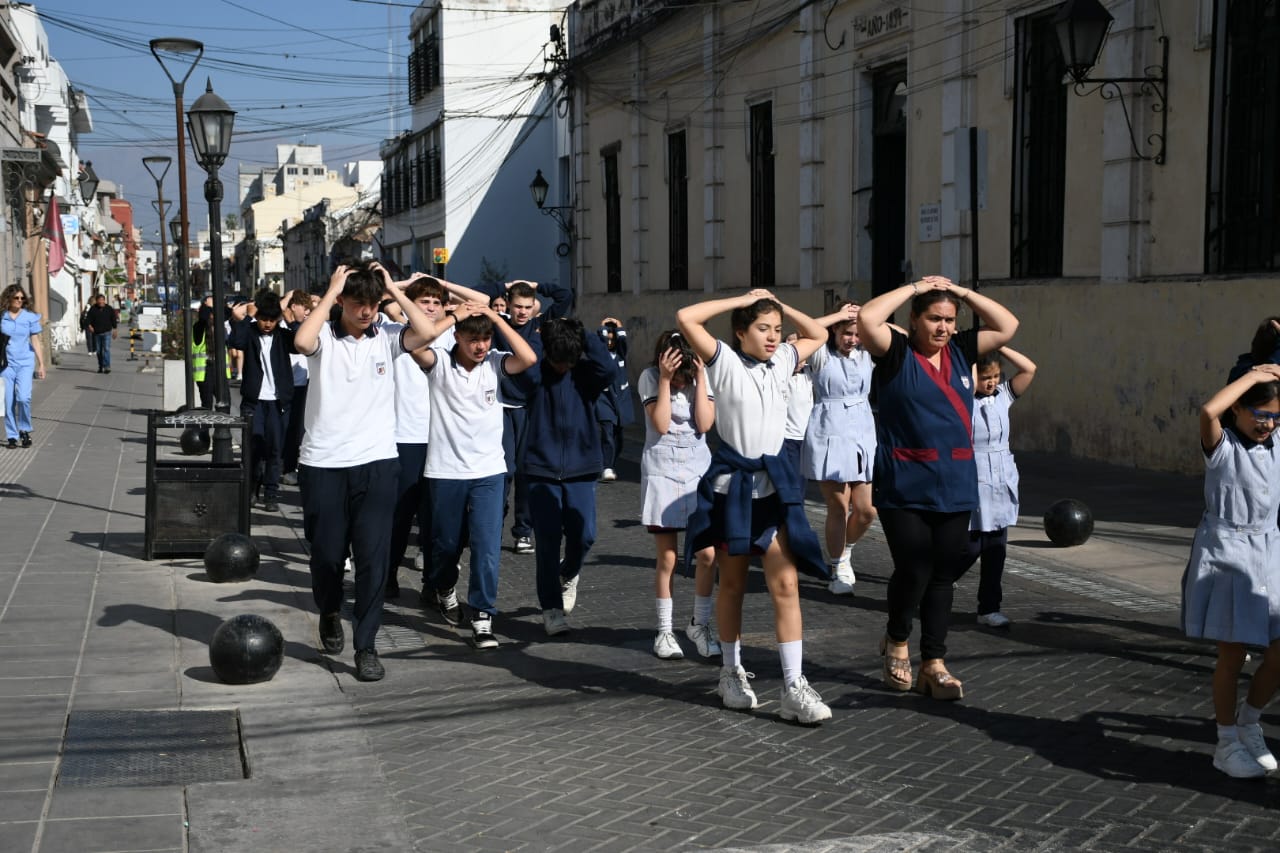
{"x": 702, "y": 609}
{"x": 847, "y": 554}
{"x": 1248, "y": 715}
{"x": 1227, "y": 734}
{"x": 664, "y": 614}
{"x": 730, "y": 649}
{"x": 791, "y": 654}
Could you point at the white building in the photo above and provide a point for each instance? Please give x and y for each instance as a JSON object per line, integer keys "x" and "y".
{"x": 482, "y": 126}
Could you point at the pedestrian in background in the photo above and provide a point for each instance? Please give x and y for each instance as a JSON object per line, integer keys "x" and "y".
{"x": 1231, "y": 586}
{"x": 296, "y": 310}
{"x": 101, "y": 321}
{"x": 614, "y": 410}
{"x": 25, "y": 361}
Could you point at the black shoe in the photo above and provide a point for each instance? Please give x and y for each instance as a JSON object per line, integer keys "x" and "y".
{"x": 26, "y": 438}
{"x": 393, "y": 587}
{"x": 270, "y": 505}
{"x": 331, "y": 637}
{"x": 99, "y": 369}
{"x": 368, "y": 667}
{"x": 13, "y": 442}
{"x": 447, "y": 604}
{"x": 106, "y": 370}
{"x": 482, "y": 631}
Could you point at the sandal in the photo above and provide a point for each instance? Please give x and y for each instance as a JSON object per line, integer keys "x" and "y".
{"x": 897, "y": 671}
{"x": 939, "y": 684}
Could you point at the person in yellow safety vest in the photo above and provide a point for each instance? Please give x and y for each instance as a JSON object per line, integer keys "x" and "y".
{"x": 200, "y": 354}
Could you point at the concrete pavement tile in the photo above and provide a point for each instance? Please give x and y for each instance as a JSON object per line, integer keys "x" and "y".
{"x": 19, "y": 836}
{"x": 141, "y": 700}
{"x": 25, "y": 775}
{"x": 131, "y": 683}
{"x": 26, "y": 749}
{"x": 19, "y": 806}
{"x": 126, "y": 663}
{"x": 36, "y": 667}
{"x": 47, "y": 686}
{"x": 116, "y": 802}
{"x": 114, "y": 834}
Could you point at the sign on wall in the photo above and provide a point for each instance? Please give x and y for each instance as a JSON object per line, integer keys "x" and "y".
{"x": 930, "y": 223}
{"x": 890, "y": 21}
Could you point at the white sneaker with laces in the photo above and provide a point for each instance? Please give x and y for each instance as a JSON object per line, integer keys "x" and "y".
{"x": 801, "y": 703}
{"x": 994, "y": 620}
{"x": 524, "y": 545}
{"x": 703, "y": 639}
{"x": 349, "y": 567}
{"x": 842, "y": 579}
{"x": 666, "y": 647}
{"x": 608, "y": 475}
{"x": 734, "y": 690}
{"x": 569, "y": 593}
{"x": 554, "y": 622}
{"x": 1232, "y": 757}
{"x": 1250, "y": 734}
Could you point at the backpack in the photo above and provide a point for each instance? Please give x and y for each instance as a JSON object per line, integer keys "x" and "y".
{"x": 4, "y": 351}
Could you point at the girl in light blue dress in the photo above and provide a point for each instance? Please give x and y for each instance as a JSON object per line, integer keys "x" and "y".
{"x": 26, "y": 360}
{"x": 1231, "y": 587}
{"x": 840, "y": 441}
{"x": 997, "y": 477}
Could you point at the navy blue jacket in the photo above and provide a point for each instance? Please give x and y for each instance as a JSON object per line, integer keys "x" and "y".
{"x": 281, "y": 367}
{"x": 614, "y": 405}
{"x": 563, "y": 437}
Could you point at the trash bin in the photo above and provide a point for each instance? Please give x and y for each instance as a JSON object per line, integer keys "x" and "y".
{"x": 192, "y": 500}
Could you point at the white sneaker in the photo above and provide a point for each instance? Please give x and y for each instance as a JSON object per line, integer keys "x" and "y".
{"x": 1250, "y": 734}
{"x": 703, "y": 639}
{"x": 349, "y": 567}
{"x": 554, "y": 623}
{"x": 524, "y": 545}
{"x": 994, "y": 620}
{"x": 1232, "y": 757}
{"x": 734, "y": 690}
{"x": 801, "y": 703}
{"x": 666, "y": 647}
{"x": 569, "y": 593}
{"x": 420, "y": 562}
{"x": 842, "y": 579}
{"x": 608, "y": 475}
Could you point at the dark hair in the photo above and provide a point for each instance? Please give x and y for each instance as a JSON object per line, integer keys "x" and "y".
{"x": 475, "y": 326}
{"x": 988, "y": 360}
{"x": 742, "y": 318}
{"x": 425, "y": 287}
{"x": 563, "y": 340}
{"x": 921, "y": 301}
{"x": 268, "y": 305}
{"x": 1260, "y": 394}
{"x": 1264, "y": 341}
{"x": 834, "y": 328}
{"x": 364, "y": 286}
{"x": 672, "y": 339}
{"x": 520, "y": 290}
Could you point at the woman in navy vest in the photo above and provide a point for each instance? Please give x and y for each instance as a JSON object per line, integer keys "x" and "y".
{"x": 925, "y": 480}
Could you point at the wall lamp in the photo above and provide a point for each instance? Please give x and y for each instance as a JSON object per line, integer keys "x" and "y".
{"x": 1082, "y": 27}
{"x": 538, "y": 189}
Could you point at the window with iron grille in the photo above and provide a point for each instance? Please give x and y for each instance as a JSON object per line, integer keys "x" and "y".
{"x": 613, "y": 221}
{"x": 424, "y": 61}
{"x": 1039, "y": 149}
{"x": 1242, "y": 225}
{"x": 762, "y": 195}
{"x": 677, "y": 211}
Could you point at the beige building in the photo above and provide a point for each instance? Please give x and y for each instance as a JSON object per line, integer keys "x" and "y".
{"x": 822, "y": 151}
{"x": 260, "y": 255}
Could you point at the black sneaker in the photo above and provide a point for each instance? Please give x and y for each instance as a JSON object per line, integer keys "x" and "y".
{"x": 447, "y": 604}
{"x": 482, "y": 631}
{"x": 331, "y": 636}
{"x": 270, "y": 505}
{"x": 106, "y": 370}
{"x": 368, "y": 667}
{"x": 26, "y": 438}
{"x": 13, "y": 442}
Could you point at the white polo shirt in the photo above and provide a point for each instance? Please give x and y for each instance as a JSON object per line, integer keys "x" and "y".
{"x": 751, "y": 405}
{"x": 466, "y": 418}
{"x": 351, "y": 416}
{"x": 268, "y": 391}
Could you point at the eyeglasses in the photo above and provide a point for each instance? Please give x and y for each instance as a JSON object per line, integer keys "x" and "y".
{"x": 1264, "y": 417}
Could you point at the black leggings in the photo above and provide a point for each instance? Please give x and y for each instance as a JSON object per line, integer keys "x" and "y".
{"x": 927, "y": 549}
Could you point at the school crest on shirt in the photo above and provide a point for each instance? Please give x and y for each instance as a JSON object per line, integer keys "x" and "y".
{"x": 964, "y": 380}
{"x": 381, "y": 368}
{"x": 490, "y": 397}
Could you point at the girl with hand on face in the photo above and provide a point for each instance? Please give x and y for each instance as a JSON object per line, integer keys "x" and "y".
{"x": 926, "y": 483}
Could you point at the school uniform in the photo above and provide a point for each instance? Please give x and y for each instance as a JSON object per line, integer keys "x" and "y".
{"x": 266, "y": 395}
{"x": 672, "y": 462}
{"x": 1231, "y": 586}
{"x": 840, "y": 438}
{"x": 925, "y": 481}
{"x": 20, "y": 372}
{"x": 614, "y": 409}
{"x": 297, "y": 411}
{"x": 799, "y": 407}
{"x": 348, "y": 469}
{"x": 465, "y": 472}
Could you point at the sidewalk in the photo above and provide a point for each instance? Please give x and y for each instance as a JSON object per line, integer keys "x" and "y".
{"x": 1084, "y": 727}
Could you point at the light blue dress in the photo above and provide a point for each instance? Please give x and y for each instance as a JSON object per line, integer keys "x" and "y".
{"x": 1231, "y": 587}
{"x": 18, "y": 375}
{"x": 840, "y": 441}
{"x": 997, "y": 472}
{"x": 672, "y": 463}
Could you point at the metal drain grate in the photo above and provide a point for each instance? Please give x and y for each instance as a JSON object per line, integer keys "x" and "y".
{"x": 107, "y": 749}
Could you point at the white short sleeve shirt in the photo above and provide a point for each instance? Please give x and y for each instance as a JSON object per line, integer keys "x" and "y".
{"x": 751, "y": 405}
{"x": 351, "y": 416}
{"x": 466, "y": 418}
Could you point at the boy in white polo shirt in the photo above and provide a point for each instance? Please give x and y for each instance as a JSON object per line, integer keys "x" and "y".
{"x": 466, "y": 468}
{"x": 348, "y": 467}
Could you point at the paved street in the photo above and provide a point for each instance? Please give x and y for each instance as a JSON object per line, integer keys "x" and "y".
{"x": 1086, "y": 726}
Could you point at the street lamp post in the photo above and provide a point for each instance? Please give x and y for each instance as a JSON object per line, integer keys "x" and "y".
{"x": 211, "y": 121}
{"x": 176, "y": 49}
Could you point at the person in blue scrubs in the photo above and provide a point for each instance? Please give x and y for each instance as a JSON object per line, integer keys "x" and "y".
{"x": 25, "y": 361}
{"x": 926, "y": 482}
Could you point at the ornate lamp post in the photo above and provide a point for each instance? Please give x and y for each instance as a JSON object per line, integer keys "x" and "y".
{"x": 211, "y": 121}
{"x": 538, "y": 189}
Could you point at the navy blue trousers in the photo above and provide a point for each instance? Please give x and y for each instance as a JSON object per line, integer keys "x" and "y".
{"x": 270, "y": 419}
{"x": 413, "y": 500}
{"x": 561, "y": 509}
{"x": 350, "y": 509}
{"x": 514, "y": 434}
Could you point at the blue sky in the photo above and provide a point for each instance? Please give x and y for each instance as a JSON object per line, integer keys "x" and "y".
{"x": 294, "y": 70}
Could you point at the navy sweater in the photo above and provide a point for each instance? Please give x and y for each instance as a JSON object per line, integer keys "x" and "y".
{"x": 564, "y": 439}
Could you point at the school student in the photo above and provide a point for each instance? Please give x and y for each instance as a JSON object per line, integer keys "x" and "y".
{"x": 266, "y": 393}
{"x": 563, "y": 460}
{"x": 614, "y": 410}
{"x": 751, "y": 500}
{"x": 465, "y": 467}
{"x": 297, "y": 309}
{"x": 348, "y": 467}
